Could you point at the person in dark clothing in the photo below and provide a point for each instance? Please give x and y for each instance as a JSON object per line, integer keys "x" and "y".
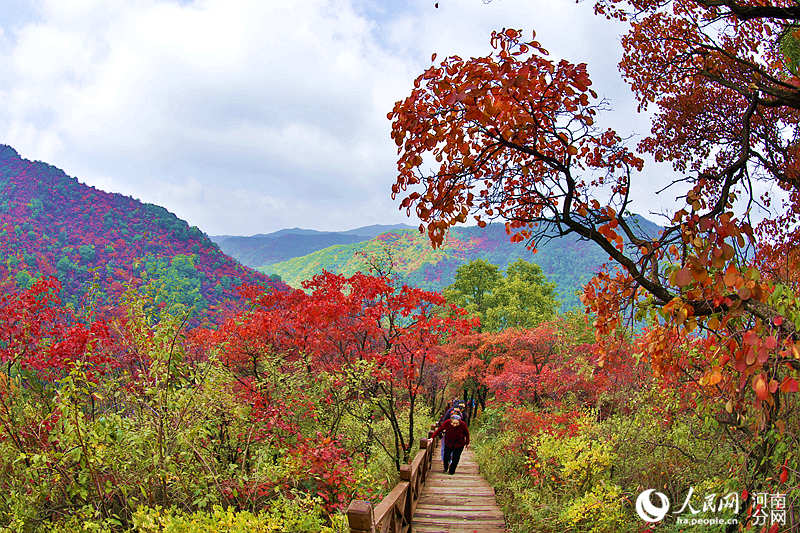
{"x": 456, "y": 438}
{"x": 449, "y": 411}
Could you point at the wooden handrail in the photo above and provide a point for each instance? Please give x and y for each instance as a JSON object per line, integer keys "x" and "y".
{"x": 394, "y": 513}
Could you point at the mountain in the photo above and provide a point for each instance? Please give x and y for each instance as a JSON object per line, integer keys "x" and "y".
{"x": 567, "y": 261}
{"x": 263, "y": 249}
{"x": 50, "y": 224}
{"x": 376, "y": 229}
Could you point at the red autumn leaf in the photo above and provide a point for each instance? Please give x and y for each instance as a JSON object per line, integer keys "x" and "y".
{"x": 683, "y": 277}
{"x": 789, "y": 384}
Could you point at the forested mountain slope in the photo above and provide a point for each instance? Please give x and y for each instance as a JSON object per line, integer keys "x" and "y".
{"x": 257, "y": 250}
{"x": 51, "y": 224}
{"x": 567, "y": 261}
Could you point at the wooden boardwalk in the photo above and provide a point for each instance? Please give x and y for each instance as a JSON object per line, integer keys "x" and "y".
{"x": 461, "y": 503}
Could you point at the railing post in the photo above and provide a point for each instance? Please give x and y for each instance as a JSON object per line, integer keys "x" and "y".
{"x": 426, "y": 464}
{"x": 405, "y": 472}
{"x": 405, "y": 475}
{"x": 360, "y": 517}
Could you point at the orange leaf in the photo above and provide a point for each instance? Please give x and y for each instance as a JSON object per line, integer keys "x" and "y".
{"x": 714, "y": 377}
{"x": 761, "y": 387}
{"x": 731, "y": 276}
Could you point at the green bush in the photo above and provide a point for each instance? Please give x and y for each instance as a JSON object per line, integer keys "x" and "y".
{"x": 301, "y": 515}
{"x": 600, "y": 510}
{"x": 576, "y": 463}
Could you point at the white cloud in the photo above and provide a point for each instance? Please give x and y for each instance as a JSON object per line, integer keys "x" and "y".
{"x": 244, "y": 116}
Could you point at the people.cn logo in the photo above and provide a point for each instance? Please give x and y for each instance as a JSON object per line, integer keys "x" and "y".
{"x": 649, "y": 512}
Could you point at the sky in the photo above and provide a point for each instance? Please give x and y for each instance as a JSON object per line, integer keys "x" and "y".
{"x": 248, "y": 116}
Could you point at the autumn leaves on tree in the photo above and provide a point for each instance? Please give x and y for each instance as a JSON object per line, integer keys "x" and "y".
{"x": 517, "y": 137}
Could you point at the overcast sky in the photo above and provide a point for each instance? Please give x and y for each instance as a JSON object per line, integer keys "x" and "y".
{"x": 247, "y": 116}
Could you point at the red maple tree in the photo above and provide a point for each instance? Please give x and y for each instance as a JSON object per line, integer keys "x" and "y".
{"x": 360, "y": 329}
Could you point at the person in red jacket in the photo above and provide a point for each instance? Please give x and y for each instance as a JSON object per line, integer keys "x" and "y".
{"x": 456, "y": 438}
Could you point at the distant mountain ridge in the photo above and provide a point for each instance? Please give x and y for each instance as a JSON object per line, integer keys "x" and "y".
{"x": 50, "y": 224}
{"x": 257, "y": 250}
{"x": 568, "y": 261}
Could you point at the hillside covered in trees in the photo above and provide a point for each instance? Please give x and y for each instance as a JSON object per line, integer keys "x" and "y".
{"x": 262, "y": 249}
{"x": 568, "y": 262}
{"x": 94, "y": 241}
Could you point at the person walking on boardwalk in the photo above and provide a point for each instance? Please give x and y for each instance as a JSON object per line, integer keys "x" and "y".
{"x": 454, "y": 404}
{"x": 455, "y": 410}
{"x": 452, "y": 408}
{"x": 456, "y": 438}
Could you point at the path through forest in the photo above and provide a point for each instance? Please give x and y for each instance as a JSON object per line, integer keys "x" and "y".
{"x": 461, "y": 503}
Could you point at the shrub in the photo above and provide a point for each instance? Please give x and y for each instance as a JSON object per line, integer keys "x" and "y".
{"x": 301, "y": 515}
{"x": 574, "y": 464}
{"x": 600, "y": 510}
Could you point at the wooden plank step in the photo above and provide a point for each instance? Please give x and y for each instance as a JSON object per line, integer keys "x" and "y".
{"x": 467, "y": 489}
{"x": 446, "y": 529}
{"x": 451, "y": 501}
{"x": 480, "y": 525}
{"x": 460, "y": 514}
{"x": 467, "y": 504}
{"x": 435, "y": 487}
{"x": 456, "y": 480}
{"x": 486, "y": 506}
{"x": 458, "y": 474}
{"x": 451, "y": 493}
{"x": 459, "y": 497}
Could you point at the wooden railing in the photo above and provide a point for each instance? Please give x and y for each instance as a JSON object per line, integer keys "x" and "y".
{"x": 394, "y": 513}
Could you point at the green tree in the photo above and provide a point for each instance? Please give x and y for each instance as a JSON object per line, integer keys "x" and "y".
{"x": 473, "y": 283}
{"x": 24, "y": 279}
{"x": 177, "y": 278}
{"x": 64, "y": 264}
{"x": 790, "y": 48}
{"x": 522, "y": 298}
{"x": 87, "y": 252}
